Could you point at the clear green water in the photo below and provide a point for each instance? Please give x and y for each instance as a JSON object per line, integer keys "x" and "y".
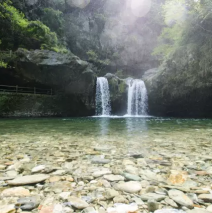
{"x": 136, "y": 134}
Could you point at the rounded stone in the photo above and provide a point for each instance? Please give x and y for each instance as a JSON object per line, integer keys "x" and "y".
{"x": 29, "y": 179}
{"x": 15, "y": 192}
{"x": 130, "y": 187}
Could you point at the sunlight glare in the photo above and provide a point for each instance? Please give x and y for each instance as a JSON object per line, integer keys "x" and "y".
{"x": 140, "y": 7}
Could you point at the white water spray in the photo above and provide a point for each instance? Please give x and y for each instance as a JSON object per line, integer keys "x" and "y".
{"x": 102, "y": 97}
{"x": 137, "y": 98}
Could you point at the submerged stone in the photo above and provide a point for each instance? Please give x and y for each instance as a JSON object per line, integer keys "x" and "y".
{"x": 130, "y": 187}
{"x": 29, "y": 179}
{"x": 180, "y": 198}
{"x": 15, "y": 192}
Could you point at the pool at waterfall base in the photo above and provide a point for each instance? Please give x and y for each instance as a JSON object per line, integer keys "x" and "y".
{"x": 89, "y": 157}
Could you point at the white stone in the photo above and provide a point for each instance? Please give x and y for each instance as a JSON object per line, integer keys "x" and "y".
{"x": 130, "y": 187}
{"x": 7, "y": 209}
{"x": 78, "y": 203}
{"x": 113, "y": 177}
{"x": 101, "y": 173}
{"x": 64, "y": 195}
{"x": 123, "y": 208}
{"x": 38, "y": 168}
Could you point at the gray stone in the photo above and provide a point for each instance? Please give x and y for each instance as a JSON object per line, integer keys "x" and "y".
{"x": 28, "y": 203}
{"x": 98, "y": 160}
{"x": 89, "y": 210}
{"x": 131, "y": 169}
{"x": 138, "y": 201}
{"x": 206, "y": 197}
{"x": 152, "y": 205}
{"x": 130, "y": 187}
{"x": 78, "y": 203}
{"x": 111, "y": 193}
{"x": 129, "y": 176}
{"x": 180, "y": 198}
{"x": 120, "y": 199}
{"x": 29, "y": 179}
{"x": 152, "y": 196}
{"x": 171, "y": 202}
{"x": 103, "y": 148}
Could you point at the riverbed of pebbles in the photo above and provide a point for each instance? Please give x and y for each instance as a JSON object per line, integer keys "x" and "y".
{"x": 64, "y": 174}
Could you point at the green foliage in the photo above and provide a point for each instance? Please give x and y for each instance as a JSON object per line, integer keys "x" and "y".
{"x": 3, "y": 64}
{"x": 120, "y": 73}
{"x": 20, "y": 32}
{"x": 54, "y": 20}
{"x": 92, "y": 56}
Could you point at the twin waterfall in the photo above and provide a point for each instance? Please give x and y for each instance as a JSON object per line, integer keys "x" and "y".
{"x": 102, "y": 97}
{"x": 137, "y": 98}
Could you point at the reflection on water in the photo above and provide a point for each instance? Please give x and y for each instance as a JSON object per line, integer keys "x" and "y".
{"x": 135, "y": 127}
{"x": 103, "y": 124}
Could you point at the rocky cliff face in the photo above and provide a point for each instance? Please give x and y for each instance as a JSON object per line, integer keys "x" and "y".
{"x": 118, "y": 94}
{"x": 175, "y": 93}
{"x": 72, "y": 79}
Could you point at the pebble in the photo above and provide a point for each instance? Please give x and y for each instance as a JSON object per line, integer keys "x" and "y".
{"x": 78, "y": 203}
{"x": 197, "y": 211}
{"x": 206, "y": 197}
{"x": 111, "y": 193}
{"x": 131, "y": 177}
{"x": 28, "y": 203}
{"x": 209, "y": 208}
{"x": 171, "y": 202}
{"x": 15, "y": 192}
{"x": 8, "y": 209}
{"x": 113, "y": 177}
{"x": 89, "y": 210}
{"x": 101, "y": 173}
{"x": 130, "y": 187}
{"x": 152, "y": 205}
{"x": 64, "y": 195}
{"x": 38, "y": 168}
{"x": 26, "y": 180}
{"x": 120, "y": 199}
{"x": 152, "y": 196}
{"x": 123, "y": 208}
{"x": 180, "y": 198}
{"x": 100, "y": 161}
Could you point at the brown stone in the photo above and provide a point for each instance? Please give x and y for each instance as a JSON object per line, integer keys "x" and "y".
{"x": 54, "y": 179}
{"x": 201, "y": 173}
{"x": 46, "y": 209}
{"x": 15, "y": 192}
{"x": 178, "y": 177}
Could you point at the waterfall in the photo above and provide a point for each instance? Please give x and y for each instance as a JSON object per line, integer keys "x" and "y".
{"x": 102, "y": 97}
{"x": 137, "y": 98}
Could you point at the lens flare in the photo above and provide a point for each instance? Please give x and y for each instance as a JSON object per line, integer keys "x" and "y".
{"x": 140, "y": 7}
